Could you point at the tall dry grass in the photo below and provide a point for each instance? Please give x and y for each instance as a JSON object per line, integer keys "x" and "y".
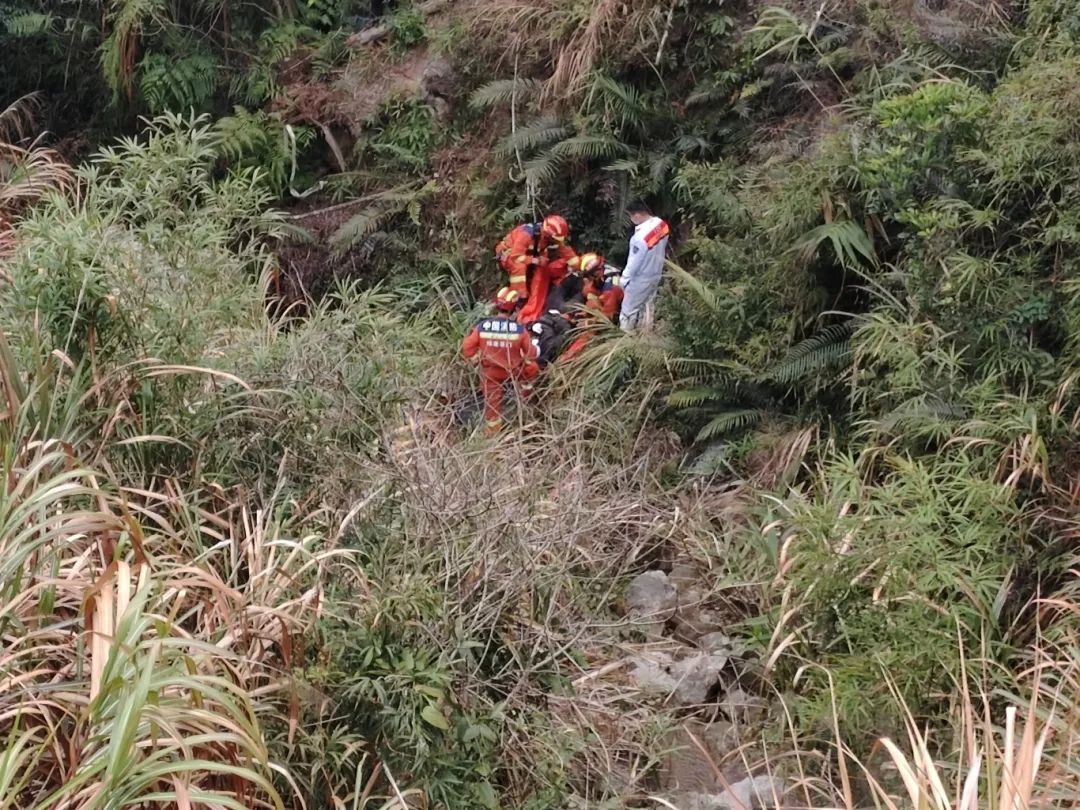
{"x": 568, "y": 39}
{"x": 148, "y": 631}
{"x": 27, "y": 170}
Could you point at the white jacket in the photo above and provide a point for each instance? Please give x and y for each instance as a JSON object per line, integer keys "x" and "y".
{"x": 648, "y": 247}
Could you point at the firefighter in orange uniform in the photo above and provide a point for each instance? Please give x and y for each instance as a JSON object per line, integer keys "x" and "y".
{"x": 603, "y": 295}
{"x": 534, "y": 255}
{"x": 505, "y": 352}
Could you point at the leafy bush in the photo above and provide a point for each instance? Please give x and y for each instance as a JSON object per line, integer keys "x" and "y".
{"x": 888, "y": 565}
{"x": 153, "y": 258}
{"x": 407, "y": 29}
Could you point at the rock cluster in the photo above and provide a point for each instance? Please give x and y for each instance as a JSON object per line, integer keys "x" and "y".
{"x": 695, "y": 674}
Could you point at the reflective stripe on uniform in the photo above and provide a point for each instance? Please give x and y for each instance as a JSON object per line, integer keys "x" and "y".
{"x": 653, "y": 237}
{"x": 518, "y": 279}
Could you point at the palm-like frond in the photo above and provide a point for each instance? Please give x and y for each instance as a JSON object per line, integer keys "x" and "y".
{"x": 729, "y": 421}
{"x": 382, "y": 208}
{"x": 849, "y": 242}
{"x": 630, "y": 166}
{"x": 705, "y": 294}
{"x": 825, "y": 350}
{"x": 783, "y": 29}
{"x": 500, "y": 92}
{"x": 695, "y": 397}
{"x": 661, "y": 164}
{"x": 544, "y": 132}
{"x": 589, "y": 147}
{"x": 622, "y": 103}
{"x": 543, "y": 169}
{"x": 923, "y": 410}
{"x": 692, "y": 145}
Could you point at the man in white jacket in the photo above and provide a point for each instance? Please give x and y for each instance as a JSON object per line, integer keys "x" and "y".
{"x": 644, "y": 266}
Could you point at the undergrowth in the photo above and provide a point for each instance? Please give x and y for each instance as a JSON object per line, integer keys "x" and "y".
{"x": 257, "y": 555}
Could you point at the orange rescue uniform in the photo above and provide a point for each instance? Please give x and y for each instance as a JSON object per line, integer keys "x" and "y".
{"x": 551, "y": 269}
{"x": 506, "y": 353}
{"x": 604, "y": 298}
{"x": 517, "y": 252}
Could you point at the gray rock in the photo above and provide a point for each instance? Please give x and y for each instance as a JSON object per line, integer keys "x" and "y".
{"x": 752, "y": 793}
{"x": 652, "y": 674}
{"x": 720, "y": 642}
{"x": 686, "y": 682}
{"x": 651, "y": 600}
{"x": 684, "y": 575}
{"x": 743, "y": 708}
{"x": 696, "y": 677}
{"x": 687, "y": 768}
{"x": 693, "y": 618}
{"x": 439, "y": 80}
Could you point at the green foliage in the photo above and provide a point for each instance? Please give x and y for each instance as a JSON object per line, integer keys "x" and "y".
{"x": 403, "y": 134}
{"x": 258, "y": 83}
{"x": 815, "y": 355}
{"x": 407, "y": 29}
{"x": 129, "y": 20}
{"x": 849, "y": 242}
{"x": 892, "y": 561}
{"x": 179, "y": 85}
{"x": 877, "y": 332}
{"x": 918, "y": 144}
{"x": 262, "y": 141}
{"x": 29, "y": 23}
{"x": 103, "y": 271}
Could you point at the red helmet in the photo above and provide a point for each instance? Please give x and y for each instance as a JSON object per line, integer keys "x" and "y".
{"x": 506, "y": 299}
{"x": 555, "y": 228}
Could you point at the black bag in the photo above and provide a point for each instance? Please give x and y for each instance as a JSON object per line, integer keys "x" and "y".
{"x": 550, "y": 333}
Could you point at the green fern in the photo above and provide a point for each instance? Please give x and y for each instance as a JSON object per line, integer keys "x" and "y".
{"x": 630, "y": 166}
{"x": 719, "y": 391}
{"x": 259, "y": 82}
{"x": 704, "y": 293}
{"x": 781, "y": 32}
{"x": 544, "y": 132}
{"x": 543, "y": 169}
{"x": 167, "y": 83}
{"x": 622, "y": 105}
{"x": 382, "y": 209}
{"x": 259, "y": 139}
{"x": 826, "y": 350}
{"x": 31, "y": 23}
{"x": 129, "y": 20}
{"x": 728, "y": 422}
{"x": 588, "y": 147}
{"x": 501, "y": 92}
{"x": 921, "y": 411}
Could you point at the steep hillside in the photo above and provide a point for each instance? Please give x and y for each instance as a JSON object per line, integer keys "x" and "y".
{"x": 808, "y": 543}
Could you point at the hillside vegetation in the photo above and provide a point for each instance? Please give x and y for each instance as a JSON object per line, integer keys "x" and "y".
{"x": 254, "y": 550}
